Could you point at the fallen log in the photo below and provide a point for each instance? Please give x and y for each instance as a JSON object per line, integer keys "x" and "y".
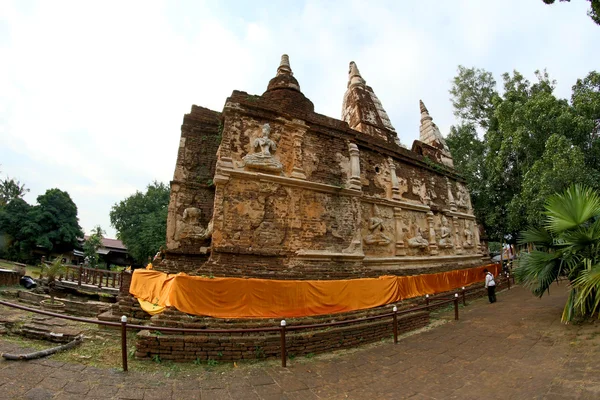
{"x": 44, "y": 353}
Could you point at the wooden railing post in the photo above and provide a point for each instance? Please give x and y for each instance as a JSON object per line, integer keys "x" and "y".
{"x": 100, "y": 276}
{"x": 124, "y": 341}
{"x": 456, "y": 306}
{"x": 464, "y": 297}
{"x": 283, "y": 349}
{"x": 395, "y": 316}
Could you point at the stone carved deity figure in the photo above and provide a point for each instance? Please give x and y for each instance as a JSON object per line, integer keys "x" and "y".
{"x": 264, "y": 142}
{"x": 445, "y": 234}
{"x": 189, "y": 227}
{"x": 376, "y": 235}
{"x": 418, "y": 240}
{"x": 462, "y": 199}
{"x": 262, "y": 158}
{"x": 468, "y": 235}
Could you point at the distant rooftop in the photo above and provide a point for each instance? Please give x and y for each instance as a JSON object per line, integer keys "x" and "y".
{"x": 111, "y": 243}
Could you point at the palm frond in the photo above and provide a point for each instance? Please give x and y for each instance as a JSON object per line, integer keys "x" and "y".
{"x": 571, "y": 208}
{"x": 537, "y": 236}
{"x": 569, "y": 310}
{"x": 588, "y": 289}
{"x": 537, "y": 270}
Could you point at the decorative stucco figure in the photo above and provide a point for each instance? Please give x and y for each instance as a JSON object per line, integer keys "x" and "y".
{"x": 418, "y": 240}
{"x": 445, "y": 234}
{"x": 468, "y": 236}
{"x": 262, "y": 158}
{"x": 377, "y": 237}
{"x": 189, "y": 227}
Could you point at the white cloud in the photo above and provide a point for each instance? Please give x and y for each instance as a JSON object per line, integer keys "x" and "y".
{"x": 92, "y": 95}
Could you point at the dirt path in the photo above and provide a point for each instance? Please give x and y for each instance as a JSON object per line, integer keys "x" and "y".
{"x": 516, "y": 348}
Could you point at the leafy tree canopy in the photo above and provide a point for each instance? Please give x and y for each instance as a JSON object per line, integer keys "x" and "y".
{"x": 11, "y": 189}
{"x": 594, "y": 11}
{"x": 91, "y": 246}
{"x": 141, "y": 221}
{"x": 51, "y": 225}
{"x": 517, "y": 148}
{"x": 56, "y": 216}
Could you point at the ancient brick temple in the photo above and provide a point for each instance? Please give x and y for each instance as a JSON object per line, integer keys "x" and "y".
{"x": 270, "y": 188}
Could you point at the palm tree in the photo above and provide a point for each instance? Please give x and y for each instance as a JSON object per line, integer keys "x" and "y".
{"x": 52, "y": 272}
{"x": 566, "y": 245}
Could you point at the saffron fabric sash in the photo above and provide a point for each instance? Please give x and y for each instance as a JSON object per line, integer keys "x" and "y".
{"x": 270, "y": 298}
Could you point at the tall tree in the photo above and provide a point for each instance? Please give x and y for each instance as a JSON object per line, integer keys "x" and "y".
{"x": 593, "y": 12}
{"x": 56, "y": 216}
{"x": 91, "y": 246}
{"x": 141, "y": 221}
{"x": 11, "y": 189}
{"x": 473, "y": 94}
{"x": 516, "y": 164}
{"x": 18, "y": 230}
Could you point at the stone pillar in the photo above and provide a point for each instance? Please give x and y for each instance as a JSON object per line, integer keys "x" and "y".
{"x": 432, "y": 242}
{"x": 354, "y": 182}
{"x": 297, "y": 171}
{"x": 400, "y": 249}
{"x": 457, "y": 246}
{"x": 395, "y": 184}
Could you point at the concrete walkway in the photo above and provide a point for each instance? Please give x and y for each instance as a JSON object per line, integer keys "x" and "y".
{"x": 513, "y": 349}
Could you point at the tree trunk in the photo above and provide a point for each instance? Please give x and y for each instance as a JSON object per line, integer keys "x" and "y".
{"x": 44, "y": 353}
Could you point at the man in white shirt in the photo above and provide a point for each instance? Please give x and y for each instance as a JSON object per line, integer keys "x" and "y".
{"x": 490, "y": 285}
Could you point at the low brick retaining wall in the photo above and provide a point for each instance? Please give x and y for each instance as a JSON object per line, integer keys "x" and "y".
{"x": 9, "y": 277}
{"x": 231, "y": 347}
{"x": 82, "y": 309}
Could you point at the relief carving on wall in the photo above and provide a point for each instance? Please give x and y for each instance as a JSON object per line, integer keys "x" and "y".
{"x": 262, "y": 158}
{"x": 462, "y": 198}
{"x": 189, "y": 226}
{"x": 376, "y": 228}
{"x": 418, "y": 240}
{"x": 268, "y": 234}
{"x": 468, "y": 233}
{"x": 445, "y": 235}
{"x": 431, "y": 194}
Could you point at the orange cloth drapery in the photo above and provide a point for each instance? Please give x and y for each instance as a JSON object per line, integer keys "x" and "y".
{"x": 270, "y": 298}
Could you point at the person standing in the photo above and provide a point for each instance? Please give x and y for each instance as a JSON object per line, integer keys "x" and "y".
{"x": 490, "y": 285}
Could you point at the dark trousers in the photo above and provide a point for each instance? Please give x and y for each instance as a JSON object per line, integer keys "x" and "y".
{"x": 492, "y": 293}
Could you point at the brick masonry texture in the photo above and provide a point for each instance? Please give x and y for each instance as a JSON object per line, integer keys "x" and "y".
{"x": 260, "y": 219}
{"x": 268, "y": 188}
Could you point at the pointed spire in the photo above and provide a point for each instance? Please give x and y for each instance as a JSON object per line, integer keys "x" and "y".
{"x": 363, "y": 111}
{"x": 284, "y": 79}
{"x": 423, "y": 108}
{"x": 284, "y": 89}
{"x": 354, "y": 77}
{"x": 430, "y": 134}
{"x": 284, "y": 66}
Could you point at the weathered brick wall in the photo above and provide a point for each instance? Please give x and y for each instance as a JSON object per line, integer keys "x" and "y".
{"x": 9, "y": 278}
{"x": 237, "y": 263}
{"x": 192, "y": 184}
{"x": 253, "y": 346}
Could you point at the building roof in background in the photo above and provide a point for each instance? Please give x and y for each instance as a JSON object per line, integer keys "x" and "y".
{"x": 111, "y": 243}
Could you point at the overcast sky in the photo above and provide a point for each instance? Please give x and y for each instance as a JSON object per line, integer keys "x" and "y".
{"x": 92, "y": 94}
